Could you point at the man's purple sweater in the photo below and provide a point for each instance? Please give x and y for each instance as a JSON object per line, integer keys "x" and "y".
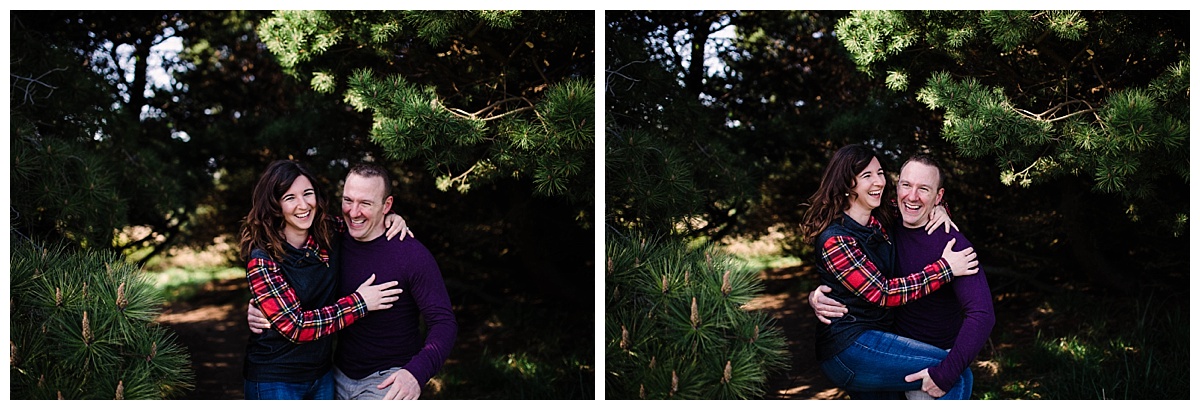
{"x": 960, "y": 321}
{"x": 392, "y": 338}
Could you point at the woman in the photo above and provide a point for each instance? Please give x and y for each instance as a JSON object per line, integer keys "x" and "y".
{"x": 292, "y": 266}
{"x": 846, "y": 224}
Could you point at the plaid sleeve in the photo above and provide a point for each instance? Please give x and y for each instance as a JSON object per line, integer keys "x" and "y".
{"x": 845, "y": 259}
{"x": 279, "y": 303}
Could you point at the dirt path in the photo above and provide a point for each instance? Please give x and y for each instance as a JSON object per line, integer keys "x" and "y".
{"x": 785, "y": 297}
{"x": 212, "y": 326}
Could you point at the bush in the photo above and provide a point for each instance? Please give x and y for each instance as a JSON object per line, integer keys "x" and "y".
{"x": 675, "y": 327}
{"x": 82, "y": 327}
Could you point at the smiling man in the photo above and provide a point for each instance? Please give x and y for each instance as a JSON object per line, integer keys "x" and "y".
{"x": 384, "y": 356}
{"x": 959, "y": 321}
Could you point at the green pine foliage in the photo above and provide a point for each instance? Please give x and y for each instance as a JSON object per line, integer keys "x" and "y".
{"x": 675, "y": 327}
{"x": 1048, "y": 95}
{"x": 82, "y": 327}
{"x": 475, "y": 97}
{"x": 64, "y": 189}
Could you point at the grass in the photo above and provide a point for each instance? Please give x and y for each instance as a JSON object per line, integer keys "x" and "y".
{"x": 516, "y": 376}
{"x": 182, "y": 283}
{"x": 1093, "y": 347}
{"x": 521, "y": 350}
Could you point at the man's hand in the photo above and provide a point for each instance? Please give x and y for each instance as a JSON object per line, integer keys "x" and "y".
{"x": 404, "y": 386}
{"x": 255, "y": 318}
{"x": 926, "y": 383}
{"x": 825, "y": 307}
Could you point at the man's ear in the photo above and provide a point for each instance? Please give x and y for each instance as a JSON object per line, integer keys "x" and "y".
{"x": 938, "y": 200}
{"x": 387, "y": 205}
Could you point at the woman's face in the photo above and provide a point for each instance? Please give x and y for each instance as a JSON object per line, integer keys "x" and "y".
{"x": 867, "y": 193}
{"x": 299, "y": 205}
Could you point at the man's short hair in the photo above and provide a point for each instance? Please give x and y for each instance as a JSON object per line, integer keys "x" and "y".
{"x": 928, "y": 160}
{"x": 368, "y": 170}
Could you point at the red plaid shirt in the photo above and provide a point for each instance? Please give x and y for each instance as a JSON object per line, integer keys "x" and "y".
{"x": 843, "y": 257}
{"x": 279, "y": 303}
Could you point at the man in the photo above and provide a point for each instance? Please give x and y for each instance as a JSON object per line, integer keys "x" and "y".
{"x": 383, "y": 356}
{"x": 960, "y": 321}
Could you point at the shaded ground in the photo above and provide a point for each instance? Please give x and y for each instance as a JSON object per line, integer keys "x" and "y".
{"x": 785, "y": 297}
{"x": 212, "y": 326}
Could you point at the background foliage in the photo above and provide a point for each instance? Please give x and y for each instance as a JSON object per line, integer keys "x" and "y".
{"x": 1064, "y": 133}
{"x": 485, "y": 119}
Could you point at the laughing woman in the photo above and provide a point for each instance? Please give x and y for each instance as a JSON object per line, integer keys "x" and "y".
{"x": 846, "y": 225}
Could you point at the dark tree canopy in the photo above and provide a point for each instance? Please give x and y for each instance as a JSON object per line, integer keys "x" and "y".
{"x": 508, "y": 112}
{"x": 91, "y": 153}
{"x": 1073, "y": 101}
{"x": 1046, "y": 122}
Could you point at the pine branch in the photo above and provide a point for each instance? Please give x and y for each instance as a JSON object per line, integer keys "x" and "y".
{"x": 1047, "y": 115}
{"x": 508, "y": 113}
{"x": 1090, "y": 110}
{"x": 493, "y": 106}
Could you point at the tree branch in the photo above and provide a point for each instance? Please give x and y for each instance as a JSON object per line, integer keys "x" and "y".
{"x": 1073, "y": 114}
{"x": 508, "y": 113}
{"x": 1046, "y": 115}
{"x": 608, "y": 80}
{"x": 493, "y": 106}
{"x": 38, "y": 81}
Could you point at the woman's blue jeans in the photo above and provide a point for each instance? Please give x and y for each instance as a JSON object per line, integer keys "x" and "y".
{"x": 319, "y": 389}
{"x": 878, "y": 361}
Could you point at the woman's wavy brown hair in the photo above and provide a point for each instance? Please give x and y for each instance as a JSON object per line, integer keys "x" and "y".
{"x": 263, "y": 226}
{"x": 831, "y": 199}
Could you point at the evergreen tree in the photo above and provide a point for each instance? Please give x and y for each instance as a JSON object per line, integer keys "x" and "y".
{"x": 675, "y": 327}
{"x": 672, "y": 161}
{"x": 91, "y": 153}
{"x": 1081, "y": 101}
{"x": 477, "y": 96}
{"x": 495, "y": 108}
{"x": 82, "y": 327}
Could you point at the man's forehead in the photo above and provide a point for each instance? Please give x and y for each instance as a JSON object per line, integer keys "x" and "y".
{"x": 909, "y": 173}
{"x": 363, "y": 181}
{"x": 359, "y": 184}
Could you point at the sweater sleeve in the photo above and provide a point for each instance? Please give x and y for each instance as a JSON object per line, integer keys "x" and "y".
{"x": 979, "y": 318}
{"x": 279, "y": 303}
{"x": 845, "y": 259}
{"x": 429, "y": 292}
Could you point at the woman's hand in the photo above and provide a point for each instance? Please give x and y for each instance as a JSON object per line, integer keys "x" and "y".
{"x": 396, "y": 225}
{"x": 378, "y": 297}
{"x": 962, "y": 262}
{"x": 938, "y": 217}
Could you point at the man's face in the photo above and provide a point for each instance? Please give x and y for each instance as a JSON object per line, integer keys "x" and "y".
{"x": 364, "y": 205}
{"x": 917, "y": 193}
